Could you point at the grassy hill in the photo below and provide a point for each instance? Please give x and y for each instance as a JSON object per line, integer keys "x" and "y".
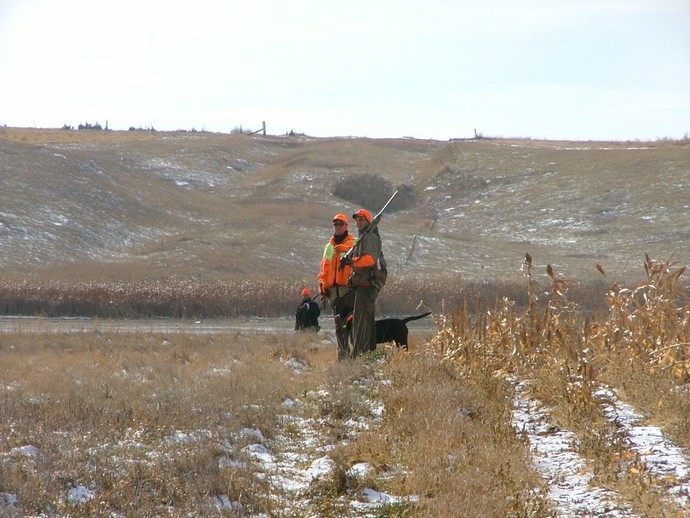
{"x": 148, "y": 205}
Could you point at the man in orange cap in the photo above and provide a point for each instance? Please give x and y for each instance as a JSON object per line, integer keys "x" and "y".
{"x": 333, "y": 281}
{"x": 307, "y": 317}
{"x": 364, "y": 260}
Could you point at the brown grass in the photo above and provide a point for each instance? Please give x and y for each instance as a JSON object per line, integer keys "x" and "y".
{"x": 110, "y": 411}
{"x": 143, "y": 419}
{"x": 453, "y": 435}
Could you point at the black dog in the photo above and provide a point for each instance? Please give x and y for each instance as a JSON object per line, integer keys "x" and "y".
{"x": 391, "y": 329}
{"x": 395, "y": 330}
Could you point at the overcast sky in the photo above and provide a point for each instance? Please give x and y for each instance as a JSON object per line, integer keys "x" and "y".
{"x": 554, "y": 69}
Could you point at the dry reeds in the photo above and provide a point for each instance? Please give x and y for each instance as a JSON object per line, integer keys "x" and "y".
{"x": 188, "y": 298}
{"x": 641, "y": 341}
{"x": 157, "y": 424}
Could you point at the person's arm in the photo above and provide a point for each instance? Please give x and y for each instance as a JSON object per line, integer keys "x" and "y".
{"x": 367, "y": 252}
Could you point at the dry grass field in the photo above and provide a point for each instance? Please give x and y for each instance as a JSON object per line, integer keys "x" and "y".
{"x": 210, "y": 214}
{"x": 270, "y": 424}
{"x": 555, "y": 383}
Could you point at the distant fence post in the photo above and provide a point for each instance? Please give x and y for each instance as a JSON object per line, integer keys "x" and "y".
{"x": 263, "y": 129}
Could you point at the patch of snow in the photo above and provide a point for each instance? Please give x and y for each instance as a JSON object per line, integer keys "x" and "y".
{"x": 14, "y": 385}
{"x": 79, "y": 494}
{"x": 223, "y": 503}
{"x": 359, "y": 470}
{"x": 358, "y": 424}
{"x": 661, "y": 457}
{"x": 252, "y": 433}
{"x": 320, "y": 467}
{"x": 227, "y": 462}
{"x": 295, "y": 460}
{"x": 8, "y": 501}
{"x": 601, "y": 148}
{"x": 376, "y": 408}
{"x": 180, "y": 436}
{"x": 260, "y": 453}
{"x": 371, "y": 495}
{"x": 289, "y": 403}
{"x": 298, "y": 366}
{"x": 24, "y": 451}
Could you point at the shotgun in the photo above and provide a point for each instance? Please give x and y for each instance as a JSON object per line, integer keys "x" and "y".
{"x": 370, "y": 228}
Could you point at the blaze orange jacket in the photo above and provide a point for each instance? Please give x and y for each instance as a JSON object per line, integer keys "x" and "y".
{"x": 331, "y": 274}
{"x": 364, "y": 258}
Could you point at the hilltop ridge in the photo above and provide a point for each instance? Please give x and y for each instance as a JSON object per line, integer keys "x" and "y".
{"x": 121, "y": 205}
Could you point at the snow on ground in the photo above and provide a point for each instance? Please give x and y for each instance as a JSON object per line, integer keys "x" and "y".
{"x": 294, "y": 461}
{"x": 556, "y": 459}
{"x": 662, "y": 458}
{"x": 291, "y": 462}
{"x": 570, "y": 481}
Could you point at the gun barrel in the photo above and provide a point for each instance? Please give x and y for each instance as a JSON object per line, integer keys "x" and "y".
{"x": 374, "y": 223}
{"x": 378, "y": 216}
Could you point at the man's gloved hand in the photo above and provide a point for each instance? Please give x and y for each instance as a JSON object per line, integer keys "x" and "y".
{"x": 345, "y": 261}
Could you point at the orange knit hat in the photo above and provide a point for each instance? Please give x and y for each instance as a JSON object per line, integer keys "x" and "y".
{"x": 306, "y": 293}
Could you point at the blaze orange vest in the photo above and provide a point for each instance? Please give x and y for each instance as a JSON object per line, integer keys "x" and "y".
{"x": 331, "y": 274}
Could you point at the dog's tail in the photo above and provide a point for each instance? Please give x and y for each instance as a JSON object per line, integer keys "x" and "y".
{"x": 416, "y": 317}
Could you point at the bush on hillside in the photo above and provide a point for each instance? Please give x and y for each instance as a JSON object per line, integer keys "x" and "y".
{"x": 141, "y": 128}
{"x": 89, "y": 126}
{"x": 372, "y": 191}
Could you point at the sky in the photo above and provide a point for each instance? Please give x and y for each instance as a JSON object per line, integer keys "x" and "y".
{"x": 438, "y": 69}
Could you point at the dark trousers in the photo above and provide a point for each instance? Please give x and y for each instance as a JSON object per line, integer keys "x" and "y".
{"x": 364, "y": 322}
{"x": 342, "y": 307}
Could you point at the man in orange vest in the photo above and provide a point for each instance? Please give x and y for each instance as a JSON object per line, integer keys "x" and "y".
{"x": 333, "y": 281}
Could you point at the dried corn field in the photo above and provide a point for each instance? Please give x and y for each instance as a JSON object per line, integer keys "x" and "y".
{"x": 602, "y": 401}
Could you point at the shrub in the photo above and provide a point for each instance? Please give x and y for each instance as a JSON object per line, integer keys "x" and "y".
{"x": 372, "y": 191}
{"x": 90, "y": 126}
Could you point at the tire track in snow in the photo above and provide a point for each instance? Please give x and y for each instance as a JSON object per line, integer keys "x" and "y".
{"x": 564, "y": 470}
{"x": 662, "y": 458}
